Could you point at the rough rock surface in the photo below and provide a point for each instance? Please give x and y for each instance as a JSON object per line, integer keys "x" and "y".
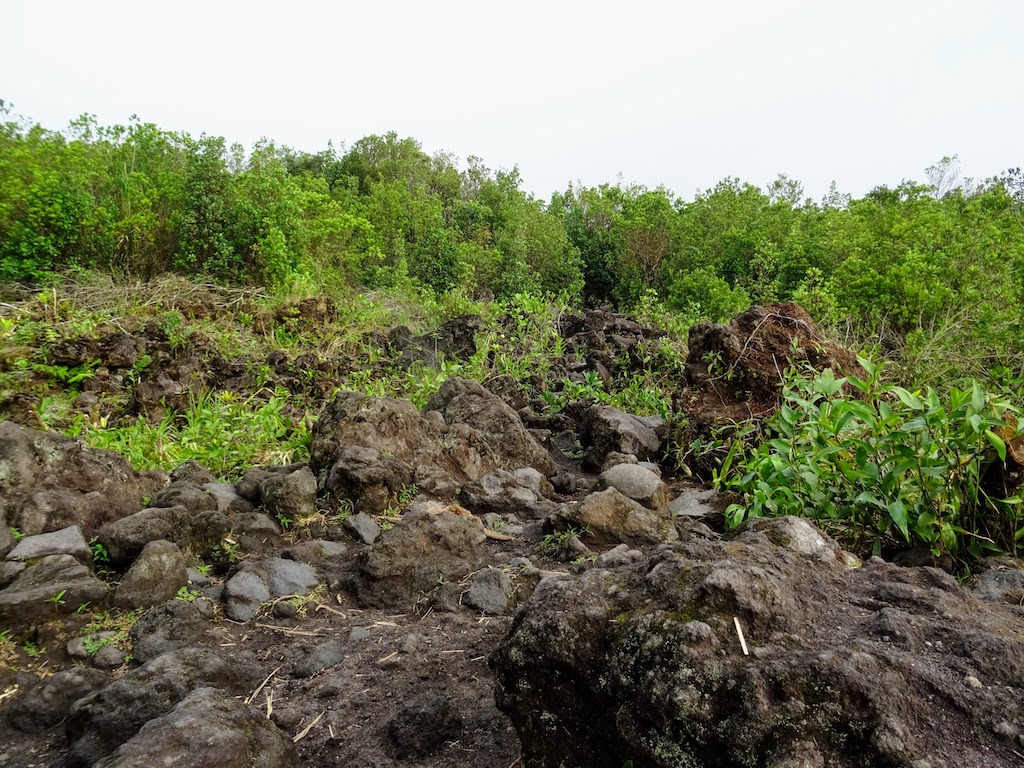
{"x": 102, "y": 721}
{"x": 489, "y": 592}
{"x": 366, "y": 478}
{"x": 397, "y": 429}
{"x": 48, "y": 482}
{"x": 54, "y": 585}
{"x": 467, "y": 402}
{"x": 502, "y": 492}
{"x": 172, "y": 626}
{"x": 244, "y": 593}
{"x": 610, "y": 518}
{"x": 410, "y": 559}
{"x": 207, "y": 729}
{"x": 606, "y": 430}
{"x": 126, "y": 538}
{"x": 67, "y": 541}
{"x": 46, "y": 704}
{"x": 156, "y": 575}
{"x": 291, "y": 496}
{"x": 422, "y": 724}
{"x": 879, "y": 665}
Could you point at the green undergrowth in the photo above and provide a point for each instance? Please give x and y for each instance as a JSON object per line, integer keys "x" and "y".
{"x": 519, "y": 345}
{"x": 225, "y": 434}
{"x": 882, "y": 467}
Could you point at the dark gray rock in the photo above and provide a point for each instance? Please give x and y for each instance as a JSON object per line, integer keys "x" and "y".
{"x": 307, "y": 551}
{"x": 172, "y": 626}
{"x": 606, "y": 430}
{"x": 244, "y": 593}
{"x": 323, "y": 656}
{"x": 209, "y": 529}
{"x": 126, "y": 538}
{"x": 658, "y": 676}
{"x": 187, "y": 494}
{"x": 192, "y": 471}
{"x": 207, "y": 729}
{"x": 227, "y": 498}
{"x": 423, "y": 724}
{"x": 249, "y": 486}
{"x": 637, "y": 483}
{"x": 290, "y": 496}
{"x": 196, "y": 577}
{"x": 367, "y": 478}
{"x": 610, "y": 518}
{"x": 410, "y": 559}
{"x": 56, "y": 584}
{"x": 287, "y": 577}
{"x": 156, "y": 576}
{"x": 331, "y": 548}
{"x": 49, "y": 482}
{"x": 489, "y": 592}
{"x": 46, "y": 704}
{"x": 103, "y": 720}
{"x": 37, "y": 511}
{"x": 1001, "y": 585}
{"x": 362, "y": 527}
{"x": 67, "y": 541}
{"x": 6, "y": 537}
{"x": 109, "y": 657}
{"x": 9, "y": 571}
{"x": 463, "y": 401}
{"x": 255, "y": 532}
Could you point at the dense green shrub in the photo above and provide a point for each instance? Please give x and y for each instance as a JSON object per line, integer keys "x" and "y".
{"x": 881, "y": 465}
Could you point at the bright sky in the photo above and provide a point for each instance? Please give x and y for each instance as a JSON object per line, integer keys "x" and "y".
{"x": 676, "y": 93}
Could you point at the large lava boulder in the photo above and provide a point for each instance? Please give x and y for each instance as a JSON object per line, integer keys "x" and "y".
{"x": 876, "y": 666}
{"x": 466, "y": 402}
{"x": 208, "y": 729}
{"x": 49, "y": 482}
{"x": 396, "y": 429}
{"x": 104, "y": 720}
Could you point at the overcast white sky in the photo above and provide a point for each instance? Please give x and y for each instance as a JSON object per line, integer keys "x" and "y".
{"x": 675, "y": 93}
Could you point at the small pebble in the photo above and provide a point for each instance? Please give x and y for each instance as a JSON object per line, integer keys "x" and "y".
{"x": 972, "y": 681}
{"x": 1007, "y": 729}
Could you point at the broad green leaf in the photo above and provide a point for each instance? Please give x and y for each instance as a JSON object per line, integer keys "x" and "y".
{"x": 997, "y": 443}
{"x": 909, "y": 399}
{"x": 898, "y": 514}
{"x": 866, "y": 497}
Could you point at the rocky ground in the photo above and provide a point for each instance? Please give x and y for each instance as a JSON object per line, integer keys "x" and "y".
{"x": 478, "y": 583}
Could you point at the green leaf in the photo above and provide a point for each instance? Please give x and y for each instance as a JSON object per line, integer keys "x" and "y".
{"x": 997, "y": 443}
{"x": 866, "y": 497}
{"x": 909, "y": 399}
{"x": 898, "y": 514}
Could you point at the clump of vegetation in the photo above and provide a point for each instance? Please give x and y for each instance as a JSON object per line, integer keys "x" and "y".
{"x": 229, "y": 239}
{"x": 226, "y": 435}
{"x": 879, "y": 465}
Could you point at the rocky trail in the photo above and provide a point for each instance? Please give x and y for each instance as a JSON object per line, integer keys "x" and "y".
{"x": 476, "y": 583}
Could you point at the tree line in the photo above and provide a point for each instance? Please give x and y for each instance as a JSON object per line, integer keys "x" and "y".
{"x": 932, "y": 272}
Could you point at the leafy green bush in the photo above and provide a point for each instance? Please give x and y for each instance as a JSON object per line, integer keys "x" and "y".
{"x": 881, "y": 465}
